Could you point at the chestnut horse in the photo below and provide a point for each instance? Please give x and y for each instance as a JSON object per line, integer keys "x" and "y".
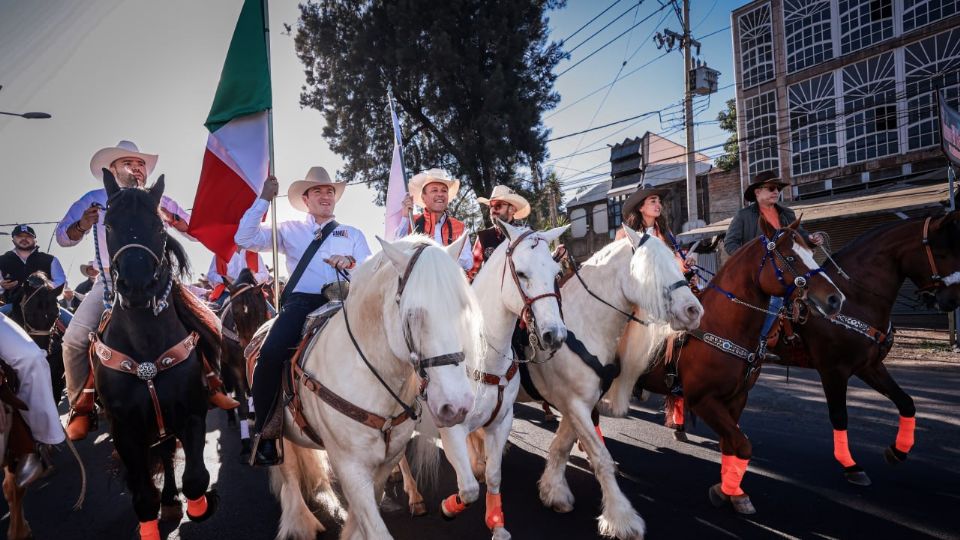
{"x": 717, "y": 364}
{"x": 925, "y": 250}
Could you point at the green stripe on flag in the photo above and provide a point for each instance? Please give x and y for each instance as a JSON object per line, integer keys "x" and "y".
{"x": 245, "y": 80}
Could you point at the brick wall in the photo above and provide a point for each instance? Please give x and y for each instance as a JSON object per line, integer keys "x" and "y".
{"x": 725, "y": 194}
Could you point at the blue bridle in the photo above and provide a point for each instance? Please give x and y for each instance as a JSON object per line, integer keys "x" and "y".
{"x": 799, "y": 281}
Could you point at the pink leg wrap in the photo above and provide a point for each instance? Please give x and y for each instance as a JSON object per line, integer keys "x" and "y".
{"x": 494, "y": 511}
{"x": 732, "y": 470}
{"x": 905, "y": 434}
{"x": 841, "y": 451}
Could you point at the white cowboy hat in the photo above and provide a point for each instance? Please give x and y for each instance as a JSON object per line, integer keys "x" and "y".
{"x": 507, "y": 195}
{"x": 430, "y": 176}
{"x": 106, "y": 156}
{"x": 85, "y": 268}
{"x": 316, "y": 176}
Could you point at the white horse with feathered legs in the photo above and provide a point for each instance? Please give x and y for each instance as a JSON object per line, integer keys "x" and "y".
{"x": 518, "y": 280}
{"x": 412, "y": 318}
{"x": 635, "y": 274}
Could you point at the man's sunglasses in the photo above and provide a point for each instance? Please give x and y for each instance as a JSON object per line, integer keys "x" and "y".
{"x": 498, "y": 205}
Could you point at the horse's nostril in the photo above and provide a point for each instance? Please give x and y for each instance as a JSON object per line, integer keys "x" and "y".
{"x": 833, "y": 301}
{"x": 547, "y": 337}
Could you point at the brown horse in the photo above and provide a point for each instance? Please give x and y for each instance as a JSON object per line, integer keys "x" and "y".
{"x": 925, "y": 250}
{"x": 717, "y": 364}
{"x": 241, "y": 315}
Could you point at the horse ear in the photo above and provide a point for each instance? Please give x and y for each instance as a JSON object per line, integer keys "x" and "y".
{"x": 110, "y": 182}
{"x": 508, "y": 229}
{"x": 156, "y": 190}
{"x": 456, "y": 248}
{"x": 227, "y": 281}
{"x": 553, "y": 234}
{"x": 766, "y": 228}
{"x": 796, "y": 223}
{"x": 395, "y": 255}
{"x": 57, "y": 291}
{"x": 633, "y": 235}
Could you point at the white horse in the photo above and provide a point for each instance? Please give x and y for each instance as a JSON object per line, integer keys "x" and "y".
{"x": 635, "y": 274}
{"x": 518, "y": 280}
{"x": 415, "y": 319}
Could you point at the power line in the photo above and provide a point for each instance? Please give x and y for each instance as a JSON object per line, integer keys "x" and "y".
{"x": 586, "y": 24}
{"x": 649, "y": 113}
{"x": 715, "y": 32}
{"x": 604, "y": 27}
{"x": 607, "y": 44}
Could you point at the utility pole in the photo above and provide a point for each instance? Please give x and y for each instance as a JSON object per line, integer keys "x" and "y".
{"x": 697, "y": 79}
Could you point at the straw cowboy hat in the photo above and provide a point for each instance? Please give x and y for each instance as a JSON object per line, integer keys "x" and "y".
{"x": 106, "y": 156}
{"x": 507, "y": 195}
{"x": 635, "y": 200}
{"x": 762, "y": 179}
{"x": 86, "y": 268}
{"x": 316, "y": 176}
{"x": 430, "y": 176}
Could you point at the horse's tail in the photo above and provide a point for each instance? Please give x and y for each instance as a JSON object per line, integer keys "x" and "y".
{"x": 477, "y": 450}
{"x": 423, "y": 454}
{"x": 304, "y": 475}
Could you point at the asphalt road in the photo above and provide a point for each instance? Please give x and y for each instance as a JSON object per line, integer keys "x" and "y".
{"x": 793, "y": 480}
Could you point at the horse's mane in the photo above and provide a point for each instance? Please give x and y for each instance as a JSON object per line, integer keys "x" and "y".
{"x": 245, "y": 277}
{"x": 39, "y": 279}
{"x": 178, "y": 258}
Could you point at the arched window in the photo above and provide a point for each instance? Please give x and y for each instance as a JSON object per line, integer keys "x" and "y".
{"x": 578, "y": 223}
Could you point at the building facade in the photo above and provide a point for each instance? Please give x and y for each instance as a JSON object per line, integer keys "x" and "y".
{"x": 839, "y": 95}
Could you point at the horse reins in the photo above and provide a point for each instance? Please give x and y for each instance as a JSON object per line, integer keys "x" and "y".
{"x": 526, "y": 313}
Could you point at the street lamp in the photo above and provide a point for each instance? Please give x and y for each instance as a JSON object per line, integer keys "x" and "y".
{"x": 29, "y": 115}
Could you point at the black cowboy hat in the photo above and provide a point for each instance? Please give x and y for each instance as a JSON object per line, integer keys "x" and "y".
{"x": 637, "y": 198}
{"x": 762, "y": 179}
{"x": 23, "y": 229}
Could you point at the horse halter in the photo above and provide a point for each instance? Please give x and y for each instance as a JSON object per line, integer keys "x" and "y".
{"x": 937, "y": 279}
{"x": 421, "y": 364}
{"x": 157, "y": 303}
{"x": 526, "y": 313}
{"x": 800, "y": 281}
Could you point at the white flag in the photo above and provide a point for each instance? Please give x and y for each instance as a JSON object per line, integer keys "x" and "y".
{"x": 397, "y": 186}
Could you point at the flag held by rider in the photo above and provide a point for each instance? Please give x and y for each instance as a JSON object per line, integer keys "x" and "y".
{"x": 236, "y": 159}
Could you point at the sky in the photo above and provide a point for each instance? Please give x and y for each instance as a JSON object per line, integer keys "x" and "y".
{"x": 147, "y": 71}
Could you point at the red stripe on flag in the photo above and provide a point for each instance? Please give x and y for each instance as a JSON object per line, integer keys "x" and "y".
{"x": 222, "y": 198}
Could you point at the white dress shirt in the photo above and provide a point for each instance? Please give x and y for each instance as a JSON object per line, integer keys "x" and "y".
{"x": 237, "y": 263}
{"x": 293, "y": 238}
{"x": 466, "y": 254}
{"x": 99, "y": 196}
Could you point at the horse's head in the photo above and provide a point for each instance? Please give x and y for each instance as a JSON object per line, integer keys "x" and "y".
{"x": 940, "y": 265}
{"x": 431, "y": 319}
{"x": 38, "y": 304}
{"x": 531, "y": 291}
{"x": 247, "y": 303}
{"x": 787, "y": 268}
{"x": 656, "y": 285}
{"x": 138, "y": 244}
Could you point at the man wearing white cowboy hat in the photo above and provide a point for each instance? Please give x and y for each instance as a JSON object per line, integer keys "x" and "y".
{"x": 131, "y": 168}
{"x": 316, "y": 247}
{"x": 90, "y": 272}
{"x": 506, "y": 205}
{"x": 433, "y": 190}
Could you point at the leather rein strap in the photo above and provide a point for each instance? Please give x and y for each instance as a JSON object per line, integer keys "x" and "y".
{"x": 146, "y": 371}
{"x": 526, "y": 314}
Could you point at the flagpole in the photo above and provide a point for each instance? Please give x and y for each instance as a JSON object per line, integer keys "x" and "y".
{"x": 270, "y": 169}
{"x": 399, "y": 143}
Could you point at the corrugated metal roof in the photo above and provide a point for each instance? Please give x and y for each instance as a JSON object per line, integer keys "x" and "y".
{"x": 594, "y": 193}
{"x": 886, "y": 201}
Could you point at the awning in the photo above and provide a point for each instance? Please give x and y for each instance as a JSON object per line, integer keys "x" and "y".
{"x": 864, "y": 205}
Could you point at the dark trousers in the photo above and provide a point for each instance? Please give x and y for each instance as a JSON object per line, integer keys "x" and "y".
{"x": 281, "y": 342}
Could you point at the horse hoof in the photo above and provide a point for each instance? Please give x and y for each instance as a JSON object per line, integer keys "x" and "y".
{"x": 499, "y": 533}
{"x": 213, "y": 501}
{"x": 742, "y": 505}
{"x": 857, "y": 476}
{"x": 171, "y": 512}
{"x": 894, "y": 456}
{"x": 681, "y": 436}
{"x": 418, "y": 509}
{"x": 717, "y": 498}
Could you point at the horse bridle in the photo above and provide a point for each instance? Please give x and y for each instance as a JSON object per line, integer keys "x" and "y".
{"x": 420, "y": 364}
{"x": 937, "y": 279}
{"x": 157, "y": 303}
{"x": 526, "y": 313}
{"x": 800, "y": 281}
{"x": 23, "y": 313}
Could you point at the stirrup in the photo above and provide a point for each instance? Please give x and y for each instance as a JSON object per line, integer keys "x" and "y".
{"x": 255, "y": 447}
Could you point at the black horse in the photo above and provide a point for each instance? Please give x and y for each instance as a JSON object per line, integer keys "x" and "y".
{"x": 924, "y": 250}
{"x": 148, "y": 370}
{"x": 38, "y": 313}
{"x": 242, "y": 314}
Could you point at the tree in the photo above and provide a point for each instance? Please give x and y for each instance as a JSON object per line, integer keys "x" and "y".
{"x": 730, "y": 159}
{"x": 471, "y": 80}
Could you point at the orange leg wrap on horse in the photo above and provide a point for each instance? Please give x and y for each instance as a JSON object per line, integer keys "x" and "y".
{"x": 197, "y": 507}
{"x": 150, "y": 530}
{"x": 732, "y": 470}
{"x": 678, "y": 411}
{"x": 905, "y": 434}
{"x": 599, "y": 433}
{"x": 494, "y": 511}
{"x": 841, "y": 451}
{"x": 452, "y": 505}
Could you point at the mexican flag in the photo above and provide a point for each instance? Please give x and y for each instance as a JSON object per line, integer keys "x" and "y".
{"x": 236, "y": 159}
